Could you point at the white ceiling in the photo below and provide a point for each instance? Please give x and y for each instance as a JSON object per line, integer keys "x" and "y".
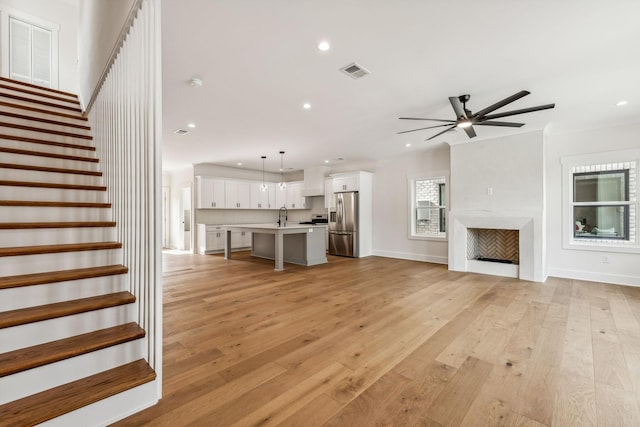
{"x": 259, "y": 63}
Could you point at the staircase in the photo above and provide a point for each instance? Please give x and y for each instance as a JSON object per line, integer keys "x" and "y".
{"x": 68, "y": 331}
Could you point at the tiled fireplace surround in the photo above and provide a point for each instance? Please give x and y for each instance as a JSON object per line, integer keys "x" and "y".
{"x": 530, "y": 245}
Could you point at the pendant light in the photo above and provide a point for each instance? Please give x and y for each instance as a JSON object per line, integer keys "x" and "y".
{"x": 282, "y": 184}
{"x": 263, "y": 186}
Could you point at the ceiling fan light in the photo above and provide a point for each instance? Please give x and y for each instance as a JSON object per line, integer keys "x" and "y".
{"x": 464, "y": 124}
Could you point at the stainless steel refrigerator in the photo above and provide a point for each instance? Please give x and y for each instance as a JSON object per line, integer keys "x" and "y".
{"x": 343, "y": 225}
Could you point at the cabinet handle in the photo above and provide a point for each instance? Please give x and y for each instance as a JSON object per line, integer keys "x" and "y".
{"x": 213, "y": 204}
{"x": 259, "y": 205}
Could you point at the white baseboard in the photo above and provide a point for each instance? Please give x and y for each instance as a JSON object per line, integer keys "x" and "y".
{"x": 616, "y": 279}
{"x": 412, "y": 257}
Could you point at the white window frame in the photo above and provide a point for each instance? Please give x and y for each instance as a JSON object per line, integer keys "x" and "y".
{"x": 411, "y": 217}
{"x": 5, "y": 14}
{"x": 568, "y": 224}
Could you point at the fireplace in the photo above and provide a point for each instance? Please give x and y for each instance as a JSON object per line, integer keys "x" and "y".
{"x": 507, "y": 236}
{"x": 491, "y": 245}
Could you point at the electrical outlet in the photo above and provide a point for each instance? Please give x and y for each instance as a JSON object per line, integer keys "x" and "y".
{"x": 605, "y": 260}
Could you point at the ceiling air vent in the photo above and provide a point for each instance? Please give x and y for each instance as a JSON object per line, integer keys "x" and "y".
{"x": 354, "y": 70}
{"x": 180, "y": 132}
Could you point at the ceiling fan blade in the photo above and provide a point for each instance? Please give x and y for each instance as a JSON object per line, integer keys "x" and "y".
{"x": 469, "y": 131}
{"x": 433, "y": 120}
{"x": 430, "y": 127}
{"x": 457, "y": 107}
{"x": 505, "y": 124}
{"x": 440, "y": 133}
{"x": 521, "y": 111}
{"x": 502, "y": 103}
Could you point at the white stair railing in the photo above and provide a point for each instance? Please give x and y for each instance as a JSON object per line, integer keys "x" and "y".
{"x": 126, "y": 121}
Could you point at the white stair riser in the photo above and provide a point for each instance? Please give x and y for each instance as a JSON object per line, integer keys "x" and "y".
{"x": 52, "y": 194}
{"x": 48, "y": 293}
{"x": 41, "y": 125}
{"x": 38, "y": 379}
{"x": 112, "y": 409}
{"x": 19, "y": 88}
{"x": 52, "y": 214}
{"x": 44, "y": 107}
{"x": 56, "y": 236}
{"x": 22, "y": 159}
{"x": 64, "y": 327}
{"x": 45, "y": 148}
{"x": 28, "y": 264}
{"x": 43, "y": 135}
{"x": 40, "y": 106}
{"x": 42, "y": 115}
{"x": 10, "y": 174}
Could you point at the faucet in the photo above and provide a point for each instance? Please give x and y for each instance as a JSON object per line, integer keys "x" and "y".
{"x": 282, "y": 223}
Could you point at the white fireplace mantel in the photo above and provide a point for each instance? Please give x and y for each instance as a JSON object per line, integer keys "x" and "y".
{"x": 531, "y": 241}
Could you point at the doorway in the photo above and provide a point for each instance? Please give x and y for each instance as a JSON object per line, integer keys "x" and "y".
{"x": 185, "y": 217}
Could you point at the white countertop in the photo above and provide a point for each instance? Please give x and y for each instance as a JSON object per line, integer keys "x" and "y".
{"x": 269, "y": 226}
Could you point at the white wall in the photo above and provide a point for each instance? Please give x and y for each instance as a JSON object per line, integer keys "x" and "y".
{"x": 623, "y": 268}
{"x": 64, "y": 13}
{"x": 391, "y": 205}
{"x": 100, "y": 26}
{"x": 512, "y": 167}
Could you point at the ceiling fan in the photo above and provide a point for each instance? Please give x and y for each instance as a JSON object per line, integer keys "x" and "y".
{"x": 465, "y": 119}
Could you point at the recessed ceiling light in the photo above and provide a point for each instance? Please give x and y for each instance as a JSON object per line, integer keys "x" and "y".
{"x": 239, "y": 163}
{"x": 195, "y": 82}
{"x": 324, "y": 46}
{"x": 621, "y": 103}
{"x": 191, "y": 125}
{"x": 408, "y": 144}
{"x": 306, "y": 106}
{"x": 326, "y": 161}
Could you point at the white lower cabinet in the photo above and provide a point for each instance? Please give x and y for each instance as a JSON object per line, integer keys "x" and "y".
{"x": 211, "y": 239}
{"x": 240, "y": 239}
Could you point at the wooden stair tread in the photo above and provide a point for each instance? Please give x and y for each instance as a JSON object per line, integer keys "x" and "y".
{"x": 39, "y": 129}
{"x": 52, "y": 249}
{"x": 40, "y": 102}
{"x": 37, "y": 93}
{"x": 23, "y": 316}
{"x": 55, "y": 351}
{"x": 60, "y": 400}
{"x": 53, "y": 185}
{"x": 42, "y": 111}
{"x": 47, "y": 142}
{"x": 49, "y": 169}
{"x": 48, "y": 89}
{"x": 34, "y": 203}
{"x": 62, "y": 224}
{"x": 7, "y": 282}
{"x": 45, "y": 154}
{"x": 43, "y": 120}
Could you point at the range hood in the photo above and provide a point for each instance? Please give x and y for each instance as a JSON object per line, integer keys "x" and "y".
{"x": 314, "y": 181}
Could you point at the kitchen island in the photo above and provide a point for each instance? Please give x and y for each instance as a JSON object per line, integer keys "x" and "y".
{"x": 301, "y": 244}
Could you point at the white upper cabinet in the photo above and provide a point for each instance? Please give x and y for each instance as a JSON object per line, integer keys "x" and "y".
{"x": 210, "y": 193}
{"x": 281, "y": 197}
{"x": 263, "y": 199}
{"x": 294, "y": 199}
{"x": 346, "y": 182}
{"x": 328, "y": 193}
{"x": 237, "y": 194}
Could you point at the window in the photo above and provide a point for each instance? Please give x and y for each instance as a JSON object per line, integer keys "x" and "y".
{"x": 601, "y": 202}
{"x": 428, "y": 207}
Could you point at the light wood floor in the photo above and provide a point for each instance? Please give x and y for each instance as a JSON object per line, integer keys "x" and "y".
{"x": 385, "y": 342}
